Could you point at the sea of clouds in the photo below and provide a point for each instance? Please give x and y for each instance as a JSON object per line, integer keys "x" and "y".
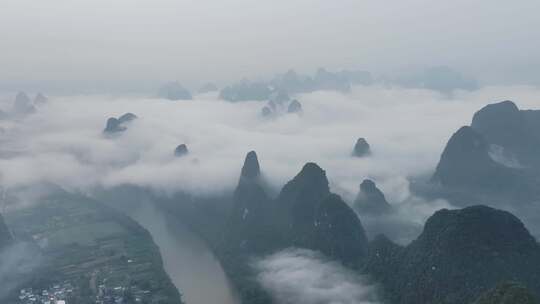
{"x": 63, "y": 143}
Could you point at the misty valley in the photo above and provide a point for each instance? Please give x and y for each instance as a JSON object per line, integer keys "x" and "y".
{"x": 269, "y": 152}
{"x": 210, "y": 199}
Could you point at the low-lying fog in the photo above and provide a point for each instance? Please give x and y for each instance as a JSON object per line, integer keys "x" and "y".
{"x": 407, "y": 129}
{"x": 63, "y": 143}
{"x": 303, "y": 276}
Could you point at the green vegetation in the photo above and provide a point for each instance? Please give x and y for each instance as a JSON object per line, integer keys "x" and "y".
{"x": 507, "y": 293}
{"x": 97, "y": 250}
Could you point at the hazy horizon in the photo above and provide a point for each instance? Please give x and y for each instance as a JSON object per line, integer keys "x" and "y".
{"x": 134, "y": 46}
{"x": 162, "y": 151}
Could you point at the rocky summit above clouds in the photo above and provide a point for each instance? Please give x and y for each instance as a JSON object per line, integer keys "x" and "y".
{"x": 181, "y": 150}
{"x": 275, "y": 109}
{"x": 249, "y": 228}
{"x": 304, "y": 192}
{"x": 478, "y": 245}
{"x": 370, "y": 200}
{"x": 294, "y": 107}
{"x": 113, "y": 126}
{"x": 310, "y": 213}
{"x": 251, "y": 169}
{"x": 516, "y": 131}
{"x": 465, "y": 162}
{"x": 498, "y": 154}
{"x": 459, "y": 255}
{"x": 305, "y": 214}
{"x": 116, "y": 125}
{"x": 361, "y": 148}
{"x": 23, "y": 105}
{"x": 174, "y": 91}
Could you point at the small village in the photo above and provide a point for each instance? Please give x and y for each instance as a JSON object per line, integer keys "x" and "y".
{"x": 57, "y": 294}
{"x": 66, "y": 293}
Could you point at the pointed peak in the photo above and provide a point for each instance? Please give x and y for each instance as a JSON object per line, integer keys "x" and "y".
{"x": 181, "y": 150}
{"x": 361, "y": 148}
{"x": 23, "y": 104}
{"x": 294, "y": 107}
{"x": 310, "y": 182}
{"x": 313, "y": 177}
{"x": 311, "y": 170}
{"x": 251, "y": 167}
{"x": 368, "y": 185}
{"x": 371, "y": 200}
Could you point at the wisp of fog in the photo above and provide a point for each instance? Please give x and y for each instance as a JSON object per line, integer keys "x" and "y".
{"x": 305, "y": 277}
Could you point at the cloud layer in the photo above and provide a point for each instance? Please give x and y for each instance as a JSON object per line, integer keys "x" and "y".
{"x": 407, "y": 129}
{"x": 302, "y": 276}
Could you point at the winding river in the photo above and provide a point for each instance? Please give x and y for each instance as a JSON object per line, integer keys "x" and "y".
{"x": 191, "y": 265}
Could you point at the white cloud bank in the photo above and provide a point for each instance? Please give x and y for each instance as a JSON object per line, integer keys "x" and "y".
{"x": 300, "y": 276}
{"x": 407, "y": 129}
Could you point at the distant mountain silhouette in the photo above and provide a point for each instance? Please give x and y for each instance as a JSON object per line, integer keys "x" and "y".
{"x": 174, "y": 91}
{"x": 361, "y": 148}
{"x": 245, "y": 91}
{"x": 293, "y": 83}
{"x": 438, "y": 78}
{"x": 294, "y": 107}
{"x": 181, "y": 150}
{"x": 23, "y": 105}
{"x": 207, "y": 88}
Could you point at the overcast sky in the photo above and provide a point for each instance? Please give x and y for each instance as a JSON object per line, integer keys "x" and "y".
{"x": 140, "y": 43}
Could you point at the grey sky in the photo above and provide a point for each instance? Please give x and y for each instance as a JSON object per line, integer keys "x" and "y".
{"x": 124, "y": 43}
